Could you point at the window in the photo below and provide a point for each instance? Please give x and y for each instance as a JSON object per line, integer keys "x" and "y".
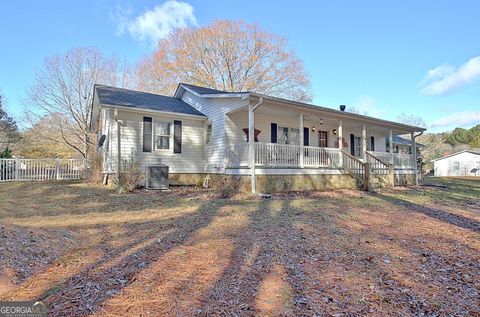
{"x": 282, "y": 135}
{"x": 294, "y": 136}
{"x": 208, "y": 134}
{"x": 357, "y": 145}
{"x": 162, "y": 135}
{"x": 456, "y": 166}
{"x": 387, "y": 145}
{"x": 287, "y": 135}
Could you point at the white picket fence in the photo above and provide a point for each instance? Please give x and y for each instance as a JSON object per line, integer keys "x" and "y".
{"x": 19, "y": 169}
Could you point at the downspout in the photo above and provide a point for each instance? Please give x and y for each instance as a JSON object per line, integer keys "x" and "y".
{"x": 251, "y": 141}
{"x": 119, "y": 156}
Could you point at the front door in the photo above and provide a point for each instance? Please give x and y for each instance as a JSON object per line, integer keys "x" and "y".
{"x": 322, "y": 139}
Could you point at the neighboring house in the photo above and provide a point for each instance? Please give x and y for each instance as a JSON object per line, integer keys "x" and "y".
{"x": 263, "y": 142}
{"x": 463, "y": 163}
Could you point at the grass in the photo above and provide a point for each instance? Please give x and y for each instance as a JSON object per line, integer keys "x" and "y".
{"x": 85, "y": 250}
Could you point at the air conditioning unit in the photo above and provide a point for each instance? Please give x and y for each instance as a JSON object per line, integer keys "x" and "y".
{"x": 157, "y": 177}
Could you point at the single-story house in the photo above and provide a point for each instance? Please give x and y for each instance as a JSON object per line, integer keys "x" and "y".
{"x": 263, "y": 143}
{"x": 463, "y": 163}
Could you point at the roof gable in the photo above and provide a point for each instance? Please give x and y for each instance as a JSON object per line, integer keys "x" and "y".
{"x": 142, "y": 100}
{"x": 454, "y": 154}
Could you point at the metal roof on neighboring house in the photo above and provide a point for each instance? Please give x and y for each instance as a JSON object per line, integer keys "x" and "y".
{"x": 401, "y": 141}
{"x": 138, "y": 99}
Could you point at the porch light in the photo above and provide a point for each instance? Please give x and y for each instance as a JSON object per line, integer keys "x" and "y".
{"x": 313, "y": 129}
{"x": 334, "y": 131}
{"x": 321, "y": 120}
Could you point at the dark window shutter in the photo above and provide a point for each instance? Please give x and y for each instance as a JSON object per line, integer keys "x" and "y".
{"x": 352, "y": 144}
{"x": 306, "y": 136}
{"x": 147, "y": 134}
{"x": 273, "y": 133}
{"x": 177, "y": 136}
{"x": 372, "y": 143}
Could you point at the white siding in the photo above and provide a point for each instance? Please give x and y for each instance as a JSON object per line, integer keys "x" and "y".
{"x": 191, "y": 160}
{"x": 215, "y": 110}
{"x": 467, "y": 162}
{"x": 237, "y": 121}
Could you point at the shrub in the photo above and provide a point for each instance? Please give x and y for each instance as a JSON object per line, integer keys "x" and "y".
{"x": 94, "y": 172}
{"x": 225, "y": 186}
{"x": 129, "y": 176}
{"x": 7, "y": 153}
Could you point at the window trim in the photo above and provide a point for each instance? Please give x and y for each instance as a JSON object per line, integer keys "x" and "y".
{"x": 456, "y": 165}
{"x": 206, "y": 134}
{"x": 288, "y": 140}
{"x": 170, "y": 138}
{"x": 357, "y": 146}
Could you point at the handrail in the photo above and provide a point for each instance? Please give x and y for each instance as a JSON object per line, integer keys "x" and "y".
{"x": 377, "y": 166}
{"x": 371, "y": 154}
{"x": 352, "y": 157}
{"x": 352, "y": 165}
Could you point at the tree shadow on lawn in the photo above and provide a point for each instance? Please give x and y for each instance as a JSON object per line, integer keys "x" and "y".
{"x": 265, "y": 275}
{"x": 413, "y": 271}
{"x": 82, "y": 293}
{"x": 304, "y": 261}
{"x": 438, "y": 214}
{"x": 23, "y": 200}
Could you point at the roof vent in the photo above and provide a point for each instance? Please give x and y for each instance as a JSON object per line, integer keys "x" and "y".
{"x": 342, "y": 107}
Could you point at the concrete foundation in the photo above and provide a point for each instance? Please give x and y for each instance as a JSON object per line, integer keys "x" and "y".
{"x": 194, "y": 179}
{"x": 404, "y": 179}
{"x": 285, "y": 183}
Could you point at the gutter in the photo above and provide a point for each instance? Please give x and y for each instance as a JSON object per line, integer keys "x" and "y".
{"x": 143, "y": 110}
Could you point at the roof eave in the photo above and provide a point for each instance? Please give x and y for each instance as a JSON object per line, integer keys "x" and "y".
{"x": 406, "y": 127}
{"x": 148, "y": 110}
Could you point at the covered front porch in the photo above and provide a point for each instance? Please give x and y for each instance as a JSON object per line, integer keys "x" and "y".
{"x": 279, "y": 134}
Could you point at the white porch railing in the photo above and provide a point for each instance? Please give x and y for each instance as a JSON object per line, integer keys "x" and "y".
{"x": 377, "y": 166}
{"x": 321, "y": 157}
{"x": 40, "y": 169}
{"x": 399, "y": 161}
{"x": 237, "y": 155}
{"x": 283, "y": 155}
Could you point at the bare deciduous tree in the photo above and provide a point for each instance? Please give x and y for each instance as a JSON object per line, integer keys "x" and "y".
{"x": 226, "y": 55}
{"x": 411, "y": 120}
{"x": 63, "y": 91}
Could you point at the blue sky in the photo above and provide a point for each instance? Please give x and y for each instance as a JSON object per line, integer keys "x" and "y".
{"x": 383, "y": 57}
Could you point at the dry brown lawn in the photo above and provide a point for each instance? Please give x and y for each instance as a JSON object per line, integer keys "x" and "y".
{"x": 85, "y": 250}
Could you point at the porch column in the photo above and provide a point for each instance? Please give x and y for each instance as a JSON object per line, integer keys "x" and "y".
{"x": 301, "y": 139}
{"x": 414, "y": 157}
{"x": 340, "y": 141}
{"x": 364, "y": 143}
{"x": 251, "y": 146}
{"x": 251, "y": 142}
{"x": 390, "y": 145}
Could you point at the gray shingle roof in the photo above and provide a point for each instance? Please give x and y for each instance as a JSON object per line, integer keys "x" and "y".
{"x": 137, "y": 99}
{"x": 204, "y": 90}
